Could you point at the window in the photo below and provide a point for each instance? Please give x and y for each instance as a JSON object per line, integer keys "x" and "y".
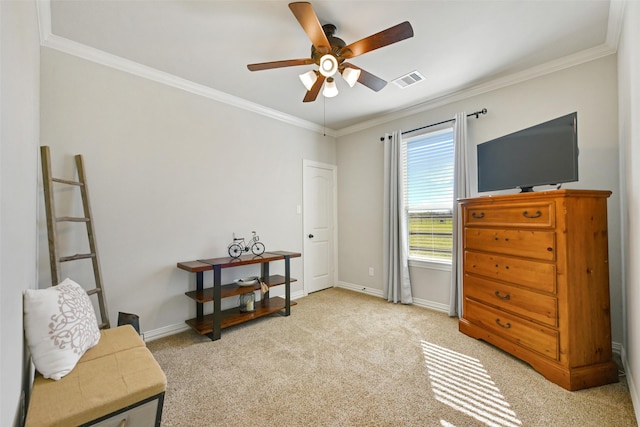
{"x": 428, "y": 168}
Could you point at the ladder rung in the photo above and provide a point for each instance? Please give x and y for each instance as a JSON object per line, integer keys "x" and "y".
{"x": 72, "y": 219}
{"x": 66, "y": 181}
{"x": 75, "y": 257}
{"x": 94, "y": 291}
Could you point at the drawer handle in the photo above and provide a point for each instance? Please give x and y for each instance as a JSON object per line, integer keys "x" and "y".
{"x": 505, "y": 326}
{"x": 506, "y": 297}
{"x": 526, "y": 214}
{"x": 477, "y": 216}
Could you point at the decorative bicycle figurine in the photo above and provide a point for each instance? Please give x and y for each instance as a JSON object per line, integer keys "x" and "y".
{"x": 238, "y": 247}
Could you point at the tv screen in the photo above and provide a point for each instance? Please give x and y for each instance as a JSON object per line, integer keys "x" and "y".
{"x": 545, "y": 154}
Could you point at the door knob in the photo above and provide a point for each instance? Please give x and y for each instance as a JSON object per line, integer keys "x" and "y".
{"x": 311, "y": 236}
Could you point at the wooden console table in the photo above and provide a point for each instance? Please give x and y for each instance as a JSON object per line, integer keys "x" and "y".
{"x": 212, "y": 324}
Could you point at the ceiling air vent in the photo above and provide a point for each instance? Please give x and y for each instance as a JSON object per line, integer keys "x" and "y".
{"x": 409, "y": 79}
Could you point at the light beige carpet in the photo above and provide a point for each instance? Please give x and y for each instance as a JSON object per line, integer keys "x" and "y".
{"x": 348, "y": 359}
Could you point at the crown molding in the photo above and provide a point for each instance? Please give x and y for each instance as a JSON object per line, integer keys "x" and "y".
{"x": 50, "y": 40}
{"x": 43, "y": 10}
{"x": 495, "y": 84}
{"x": 614, "y": 25}
{"x": 614, "y": 29}
{"x": 100, "y": 57}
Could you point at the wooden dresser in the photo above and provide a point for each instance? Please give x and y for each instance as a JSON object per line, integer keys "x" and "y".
{"x": 536, "y": 282}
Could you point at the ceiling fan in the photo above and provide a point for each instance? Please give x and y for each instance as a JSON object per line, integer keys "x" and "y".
{"x": 329, "y": 54}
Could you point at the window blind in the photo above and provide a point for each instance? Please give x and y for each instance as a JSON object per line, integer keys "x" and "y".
{"x": 428, "y": 166}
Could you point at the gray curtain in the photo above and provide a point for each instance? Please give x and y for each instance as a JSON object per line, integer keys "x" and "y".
{"x": 397, "y": 285}
{"x": 461, "y": 189}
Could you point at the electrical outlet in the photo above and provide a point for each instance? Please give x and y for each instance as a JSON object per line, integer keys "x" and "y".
{"x": 371, "y": 271}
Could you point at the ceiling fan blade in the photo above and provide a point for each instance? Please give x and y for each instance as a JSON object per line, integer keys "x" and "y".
{"x": 315, "y": 90}
{"x": 383, "y": 38}
{"x": 374, "y": 83}
{"x": 306, "y": 16}
{"x": 279, "y": 64}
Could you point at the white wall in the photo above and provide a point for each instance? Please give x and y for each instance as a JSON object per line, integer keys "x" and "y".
{"x": 590, "y": 89}
{"x": 18, "y": 144}
{"x": 629, "y": 121}
{"x": 171, "y": 176}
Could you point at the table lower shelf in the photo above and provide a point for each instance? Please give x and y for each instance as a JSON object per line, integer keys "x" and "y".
{"x": 232, "y": 289}
{"x": 232, "y": 317}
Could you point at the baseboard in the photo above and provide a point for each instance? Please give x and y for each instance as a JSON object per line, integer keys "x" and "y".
{"x": 616, "y": 347}
{"x": 358, "y": 288}
{"x": 378, "y": 293}
{"x": 280, "y": 292}
{"x": 165, "y": 331}
{"x": 635, "y": 398}
{"x": 431, "y": 305}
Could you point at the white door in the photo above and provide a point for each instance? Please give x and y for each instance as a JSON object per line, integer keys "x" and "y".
{"x": 319, "y": 217}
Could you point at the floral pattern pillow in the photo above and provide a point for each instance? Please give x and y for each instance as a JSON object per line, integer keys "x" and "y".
{"x": 60, "y": 325}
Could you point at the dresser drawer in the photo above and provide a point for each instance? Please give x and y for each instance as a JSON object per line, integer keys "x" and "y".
{"x": 524, "y": 243}
{"x": 536, "y": 275}
{"x": 538, "y": 215}
{"x": 534, "y": 306}
{"x": 527, "y": 334}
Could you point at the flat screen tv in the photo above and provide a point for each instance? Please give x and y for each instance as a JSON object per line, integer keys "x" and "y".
{"x": 544, "y": 154}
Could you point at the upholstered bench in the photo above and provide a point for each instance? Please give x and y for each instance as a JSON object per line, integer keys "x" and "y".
{"x": 115, "y": 383}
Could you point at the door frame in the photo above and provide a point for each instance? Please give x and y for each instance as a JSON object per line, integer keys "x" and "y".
{"x": 305, "y": 176}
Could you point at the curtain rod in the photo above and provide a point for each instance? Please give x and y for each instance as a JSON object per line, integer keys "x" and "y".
{"x": 477, "y": 114}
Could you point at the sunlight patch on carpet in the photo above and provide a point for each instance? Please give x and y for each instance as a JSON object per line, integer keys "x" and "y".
{"x": 461, "y": 382}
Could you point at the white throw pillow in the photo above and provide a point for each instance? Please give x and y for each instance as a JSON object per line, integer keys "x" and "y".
{"x": 60, "y": 325}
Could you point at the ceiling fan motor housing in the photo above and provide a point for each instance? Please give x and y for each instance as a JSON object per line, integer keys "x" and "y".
{"x": 336, "y": 45}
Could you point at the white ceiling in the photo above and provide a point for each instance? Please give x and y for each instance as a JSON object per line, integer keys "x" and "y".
{"x": 459, "y": 46}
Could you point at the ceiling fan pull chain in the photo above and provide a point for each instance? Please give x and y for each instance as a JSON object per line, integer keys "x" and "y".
{"x": 324, "y": 115}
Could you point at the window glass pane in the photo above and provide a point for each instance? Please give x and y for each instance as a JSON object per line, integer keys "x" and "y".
{"x": 428, "y": 162}
{"x": 430, "y": 235}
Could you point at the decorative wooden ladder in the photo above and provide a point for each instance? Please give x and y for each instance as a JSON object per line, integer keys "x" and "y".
{"x": 52, "y": 221}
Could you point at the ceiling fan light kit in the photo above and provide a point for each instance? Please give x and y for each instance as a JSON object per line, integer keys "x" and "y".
{"x": 330, "y": 88}
{"x": 308, "y": 79}
{"x": 328, "y": 65}
{"x": 329, "y": 54}
{"x": 351, "y": 76}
